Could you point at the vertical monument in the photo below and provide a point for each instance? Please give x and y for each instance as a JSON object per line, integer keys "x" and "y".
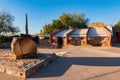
{"x": 24, "y": 45}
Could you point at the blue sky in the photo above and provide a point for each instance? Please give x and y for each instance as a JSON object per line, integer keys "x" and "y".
{"x": 41, "y": 12}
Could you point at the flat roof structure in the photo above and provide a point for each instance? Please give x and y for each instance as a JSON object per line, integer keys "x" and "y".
{"x": 63, "y": 33}
{"x": 96, "y": 32}
{"x": 79, "y": 33}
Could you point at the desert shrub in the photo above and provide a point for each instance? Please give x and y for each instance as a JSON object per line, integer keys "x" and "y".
{"x": 5, "y": 39}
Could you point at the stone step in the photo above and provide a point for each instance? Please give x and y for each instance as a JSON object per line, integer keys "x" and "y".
{"x": 26, "y": 67}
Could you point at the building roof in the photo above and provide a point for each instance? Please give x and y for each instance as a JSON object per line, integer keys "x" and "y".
{"x": 96, "y": 32}
{"x": 92, "y": 32}
{"x": 63, "y": 33}
{"x": 79, "y": 33}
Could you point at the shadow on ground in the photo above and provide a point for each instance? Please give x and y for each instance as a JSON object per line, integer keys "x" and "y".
{"x": 61, "y": 65}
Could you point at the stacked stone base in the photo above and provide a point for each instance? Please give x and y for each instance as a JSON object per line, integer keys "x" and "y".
{"x": 99, "y": 41}
{"x": 25, "y": 67}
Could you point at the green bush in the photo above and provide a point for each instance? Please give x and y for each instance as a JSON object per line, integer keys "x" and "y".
{"x": 4, "y": 39}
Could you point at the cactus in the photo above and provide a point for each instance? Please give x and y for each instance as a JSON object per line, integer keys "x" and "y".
{"x": 26, "y": 26}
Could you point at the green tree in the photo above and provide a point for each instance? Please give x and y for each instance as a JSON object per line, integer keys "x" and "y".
{"x": 65, "y": 21}
{"x": 6, "y": 23}
{"x": 47, "y": 29}
{"x": 118, "y": 24}
{"x": 78, "y": 20}
{"x": 57, "y": 24}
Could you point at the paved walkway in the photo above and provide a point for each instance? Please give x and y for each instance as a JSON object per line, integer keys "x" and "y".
{"x": 79, "y": 63}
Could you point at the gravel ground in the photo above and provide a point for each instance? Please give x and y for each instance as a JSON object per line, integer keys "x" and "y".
{"x": 79, "y": 63}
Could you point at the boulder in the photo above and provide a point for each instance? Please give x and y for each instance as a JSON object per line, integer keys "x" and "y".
{"x": 23, "y": 47}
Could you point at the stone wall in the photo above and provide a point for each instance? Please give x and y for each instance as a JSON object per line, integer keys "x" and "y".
{"x": 105, "y": 42}
{"x": 83, "y": 41}
{"x": 75, "y": 41}
{"x": 98, "y": 41}
{"x": 78, "y": 41}
{"x": 55, "y": 43}
{"x": 64, "y": 42}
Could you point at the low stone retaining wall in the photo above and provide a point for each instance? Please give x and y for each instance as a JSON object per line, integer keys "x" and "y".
{"x": 98, "y": 41}
{"x": 25, "y": 67}
{"x": 75, "y": 41}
